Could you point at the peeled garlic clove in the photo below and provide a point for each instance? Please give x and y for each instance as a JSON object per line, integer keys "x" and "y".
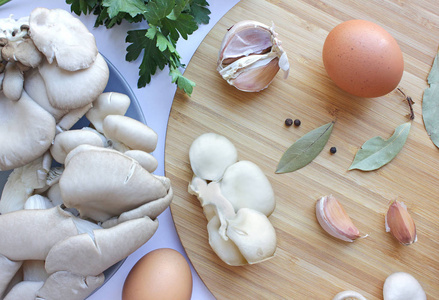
{"x": 251, "y": 56}
{"x": 400, "y": 223}
{"x": 334, "y": 220}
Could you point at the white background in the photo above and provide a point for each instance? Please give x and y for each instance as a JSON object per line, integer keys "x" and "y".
{"x": 155, "y": 101}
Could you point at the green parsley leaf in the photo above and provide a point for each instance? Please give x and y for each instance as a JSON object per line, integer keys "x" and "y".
{"x": 184, "y": 25}
{"x": 179, "y": 7}
{"x": 132, "y": 7}
{"x": 199, "y": 11}
{"x": 153, "y": 57}
{"x": 158, "y": 10}
{"x": 81, "y": 6}
{"x": 182, "y": 82}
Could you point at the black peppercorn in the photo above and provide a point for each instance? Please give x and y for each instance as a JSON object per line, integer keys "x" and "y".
{"x": 288, "y": 122}
{"x": 333, "y": 150}
{"x": 297, "y": 122}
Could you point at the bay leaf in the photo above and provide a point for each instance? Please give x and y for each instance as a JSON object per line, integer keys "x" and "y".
{"x": 378, "y": 152}
{"x": 305, "y": 149}
{"x": 430, "y": 103}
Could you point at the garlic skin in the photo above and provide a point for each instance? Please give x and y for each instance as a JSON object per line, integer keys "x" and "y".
{"x": 251, "y": 55}
{"x": 334, "y": 219}
{"x": 399, "y": 222}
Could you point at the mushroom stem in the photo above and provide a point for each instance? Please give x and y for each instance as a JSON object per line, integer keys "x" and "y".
{"x": 8, "y": 269}
{"x": 210, "y": 195}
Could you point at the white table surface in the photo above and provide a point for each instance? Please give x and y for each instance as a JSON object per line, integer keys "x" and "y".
{"x": 155, "y": 100}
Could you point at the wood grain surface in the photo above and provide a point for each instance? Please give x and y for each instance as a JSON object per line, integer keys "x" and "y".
{"x": 310, "y": 264}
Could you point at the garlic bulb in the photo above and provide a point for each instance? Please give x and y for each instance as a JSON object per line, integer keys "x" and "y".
{"x": 334, "y": 220}
{"x": 251, "y": 55}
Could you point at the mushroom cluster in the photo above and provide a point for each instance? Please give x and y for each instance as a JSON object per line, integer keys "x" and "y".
{"x": 50, "y": 73}
{"x": 77, "y": 200}
{"x": 237, "y": 200}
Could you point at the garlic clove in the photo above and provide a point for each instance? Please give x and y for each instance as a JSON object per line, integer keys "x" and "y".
{"x": 334, "y": 219}
{"x": 256, "y": 78}
{"x": 251, "y": 55}
{"x": 399, "y": 222}
{"x": 243, "y": 39}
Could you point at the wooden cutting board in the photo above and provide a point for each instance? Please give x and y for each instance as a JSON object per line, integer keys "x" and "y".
{"x": 309, "y": 264}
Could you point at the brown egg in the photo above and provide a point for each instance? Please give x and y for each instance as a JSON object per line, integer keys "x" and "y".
{"x": 363, "y": 59}
{"x": 161, "y": 274}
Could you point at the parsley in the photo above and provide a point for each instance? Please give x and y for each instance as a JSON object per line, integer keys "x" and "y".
{"x": 167, "y": 21}
{"x": 4, "y": 2}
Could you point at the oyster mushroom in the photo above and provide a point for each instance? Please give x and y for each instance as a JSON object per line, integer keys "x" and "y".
{"x": 244, "y": 185}
{"x": 82, "y": 185}
{"x": 68, "y": 140}
{"x": 13, "y": 81}
{"x": 27, "y": 54}
{"x": 71, "y": 118}
{"x": 210, "y": 154}
{"x": 73, "y": 89}
{"x": 110, "y": 103}
{"x": 23, "y": 51}
{"x": 236, "y": 204}
{"x": 62, "y": 37}
{"x": 146, "y": 160}
{"x": 126, "y": 134}
{"x": 36, "y": 89}
{"x": 65, "y": 118}
{"x": 24, "y": 290}
{"x": 244, "y": 237}
{"x": 57, "y": 237}
{"x": 28, "y": 131}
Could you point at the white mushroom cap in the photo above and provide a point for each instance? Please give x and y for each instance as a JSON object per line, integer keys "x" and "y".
{"x": 27, "y": 131}
{"x": 245, "y": 185}
{"x": 225, "y": 249}
{"x": 110, "y": 103}
{"x": 210, "y": 154}
{"x": 253, "y": 234}
{"x": 403, "y": 286}
{"x": 61, "y": 36}
{"x": 39, "y": 230}
{"x": 102, "y": 183}
{"x": 36, "y": 89}
{"x": 70, "y": 90}
{"x": 68, "y": 140}
{"x": 130, "y": 132}
{"x": 28, "y": 54}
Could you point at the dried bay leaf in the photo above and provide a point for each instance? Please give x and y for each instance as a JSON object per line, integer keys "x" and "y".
{"x": 305, "y": 149}
{"x": 377, "y": 152}
{"x": 430, "y": 103}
